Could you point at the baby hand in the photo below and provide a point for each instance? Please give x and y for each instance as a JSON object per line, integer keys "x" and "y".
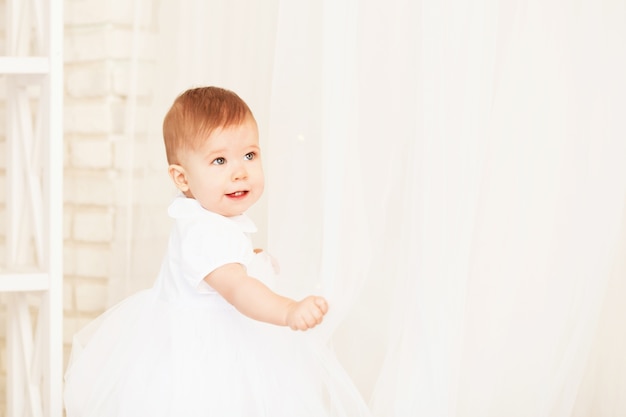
{"x": 307, "y": 313}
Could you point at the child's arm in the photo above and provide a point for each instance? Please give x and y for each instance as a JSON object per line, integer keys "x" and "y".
{"x": 253, "y": 299}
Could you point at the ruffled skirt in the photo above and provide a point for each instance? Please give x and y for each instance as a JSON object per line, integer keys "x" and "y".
{"x": 155, "y": 358}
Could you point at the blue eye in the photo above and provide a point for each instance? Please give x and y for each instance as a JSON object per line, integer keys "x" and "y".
{"x": 250, "y": 156}
{"x": 219, "y": 161}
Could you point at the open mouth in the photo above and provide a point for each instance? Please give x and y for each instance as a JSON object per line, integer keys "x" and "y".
{"x": 237, "y": 194}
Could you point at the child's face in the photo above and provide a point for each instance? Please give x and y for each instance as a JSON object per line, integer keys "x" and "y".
{"x": 225, "y": 174}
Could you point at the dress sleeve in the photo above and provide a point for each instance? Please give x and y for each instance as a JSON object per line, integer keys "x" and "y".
{"x": 207, "y": 245}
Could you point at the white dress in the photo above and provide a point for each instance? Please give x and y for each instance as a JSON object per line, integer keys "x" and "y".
{"x": 179, "y": 349}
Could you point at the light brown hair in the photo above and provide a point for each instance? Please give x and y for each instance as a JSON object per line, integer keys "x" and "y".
{"x": 196, "y": 113}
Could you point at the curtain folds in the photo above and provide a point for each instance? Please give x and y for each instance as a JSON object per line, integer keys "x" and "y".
{"x": 451, "y": 176}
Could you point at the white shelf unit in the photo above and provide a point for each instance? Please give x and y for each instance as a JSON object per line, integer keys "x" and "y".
{"x": 25, "y": 65}
{"x": 32, "y": 271}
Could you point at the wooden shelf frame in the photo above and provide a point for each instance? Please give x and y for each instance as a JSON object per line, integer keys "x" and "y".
{"x": 26, "y": 65}
{"x": 33, "y": 61}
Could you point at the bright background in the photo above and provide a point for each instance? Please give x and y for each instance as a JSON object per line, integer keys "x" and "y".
{"x": 450, "y": 174}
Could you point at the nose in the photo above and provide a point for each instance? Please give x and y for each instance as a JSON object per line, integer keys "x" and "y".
{"x": 239, "y": 172}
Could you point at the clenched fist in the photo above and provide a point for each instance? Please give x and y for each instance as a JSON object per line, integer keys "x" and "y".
{"x": 307, "y": 313}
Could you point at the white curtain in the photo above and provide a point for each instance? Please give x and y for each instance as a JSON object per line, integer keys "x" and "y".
{"x": 451, "y": 175}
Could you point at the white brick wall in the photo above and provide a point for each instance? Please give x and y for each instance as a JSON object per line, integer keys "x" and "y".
{"x": 88, "y": 152}
{"x": 100, "y": 157}
{"x": 90, "y": 12}
{"x": 89, "y": 79}
{"x": 87, "y": 188}
{"x": 88, "y": 116}
{"x": 94, "y": 226}
{"x": 90, "y": 297}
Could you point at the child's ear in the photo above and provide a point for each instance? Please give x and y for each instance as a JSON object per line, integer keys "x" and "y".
{"x": 177, "y": 173}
